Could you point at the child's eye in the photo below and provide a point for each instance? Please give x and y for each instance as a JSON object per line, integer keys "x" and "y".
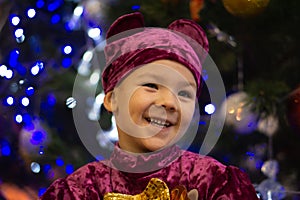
{"x": 151, "y": 85}
{"x": 185, "y": 94}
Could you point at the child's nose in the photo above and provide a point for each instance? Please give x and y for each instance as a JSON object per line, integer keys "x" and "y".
{"x": 168, "y": 100}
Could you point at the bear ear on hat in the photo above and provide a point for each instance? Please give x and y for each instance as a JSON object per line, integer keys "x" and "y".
{"x": 191, "y": 29}
{"x": 125, "y": 23}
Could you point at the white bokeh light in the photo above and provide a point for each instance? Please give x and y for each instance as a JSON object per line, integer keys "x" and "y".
{"x": 31, "y": 13}
{"x": 25, "y": 101}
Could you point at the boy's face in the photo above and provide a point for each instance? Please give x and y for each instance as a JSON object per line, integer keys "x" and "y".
{"x": 153, "y": 105}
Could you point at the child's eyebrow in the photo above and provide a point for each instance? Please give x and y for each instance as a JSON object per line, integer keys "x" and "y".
{"x": 187, "y": 84}
{"x": 160, "y": 78}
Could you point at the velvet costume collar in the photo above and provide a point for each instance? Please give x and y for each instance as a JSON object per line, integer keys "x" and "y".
{"x": 143, "y": 163}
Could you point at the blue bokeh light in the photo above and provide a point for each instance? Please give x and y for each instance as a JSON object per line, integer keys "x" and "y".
{"x": 66, "y": 62}
{"x": 29, "y": 91}
{"x": 54, "y": 5}
{"x": 13, "y": 58}
{"x": 37, "y": 68}
{"x": 47, "y": 168}
{"x": 59, "y": 162}
{"x": 69, "y": 169}
{"x": 41, "y": 151}
{"x": 40, "y": 3}
{"x": 37, "y": 137}
{"x": 51, "y": 100}
{"x": 5, "y": 148}
{"x": 55, "y": 19}
{"x": 42, "y": 191}
{"x": 135, "y": 7}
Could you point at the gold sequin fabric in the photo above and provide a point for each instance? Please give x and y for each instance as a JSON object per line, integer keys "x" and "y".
{"x": 156, "y": 190}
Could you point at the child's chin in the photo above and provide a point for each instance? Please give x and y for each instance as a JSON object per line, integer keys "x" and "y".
{"x": 154, "y": 146}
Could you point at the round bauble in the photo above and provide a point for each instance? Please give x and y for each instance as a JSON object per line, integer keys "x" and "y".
{"x": 245, "y": 8}
{"x": 239, "y": 113}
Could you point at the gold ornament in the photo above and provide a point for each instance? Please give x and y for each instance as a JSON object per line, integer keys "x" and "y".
{"x": 156, "y": 190}
{"x": 245, "y": 8}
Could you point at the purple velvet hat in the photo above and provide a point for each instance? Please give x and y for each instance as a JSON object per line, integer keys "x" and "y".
{"x": 130, "y": 44}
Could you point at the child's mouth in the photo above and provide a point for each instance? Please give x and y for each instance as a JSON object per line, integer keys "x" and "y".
{"x": 158, "y": 122}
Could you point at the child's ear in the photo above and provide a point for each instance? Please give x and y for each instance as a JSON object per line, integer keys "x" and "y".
{"x": 109, "y": 101}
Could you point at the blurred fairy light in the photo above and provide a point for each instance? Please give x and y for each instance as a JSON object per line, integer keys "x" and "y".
{"x": 84, "y": 65}
{"x": 94, "y": 113}
{"x": 35, "y": 167}
{"x": 19, "y": 34}
{"x": 13, "y": 58}
{"x": 59, "y": 161}
{"x": 69, "y": 168}
{"x": 10, "y": 100}
{"x": 100, "y": 98}
{"x": 18, "y": 118}
{"x": 40, "y": 3}
{"x": 3, "y": 69}
{"x": 66, "y": 62}
{"x": 74, "y": 22}
{"x": 135, "y": 7}
{"x": 209, "y": 109}
{"x": 54, "y": 5}
{"x": 25, "y": 101}
{"x": 94, "y": 33}
{"x": 9, "y": 74}
{"x": 5, "y": 72}
{"x": 94, "y": 78}
{"x": 78, "y": 11}
{"x": 87, "y": 56}
{"x": 55, "y": 18}
{"x": 41, "y": 150}
{"x": 15, "y": 20}
{"x": 35, "y": 69}
{"x": 29, "y": 91}
{"x": 67, "y": 49}
{"x": 71, "y": 102}
{"x": 4, "y": 148}
{"x": 31, "y": 12}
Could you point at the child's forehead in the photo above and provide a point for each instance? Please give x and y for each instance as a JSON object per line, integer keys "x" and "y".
{"x": 162, "y": 73}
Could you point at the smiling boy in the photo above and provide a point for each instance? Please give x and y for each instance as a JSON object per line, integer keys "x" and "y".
{"x": 151, "y": 84}
{"x": 161, "y": 100}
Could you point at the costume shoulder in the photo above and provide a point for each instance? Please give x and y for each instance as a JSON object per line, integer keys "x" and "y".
{"x": 215, "y": 180}
{"x": 84, "y": 182}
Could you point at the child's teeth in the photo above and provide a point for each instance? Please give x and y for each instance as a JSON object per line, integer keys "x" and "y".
{"x": 159, "y": 122}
